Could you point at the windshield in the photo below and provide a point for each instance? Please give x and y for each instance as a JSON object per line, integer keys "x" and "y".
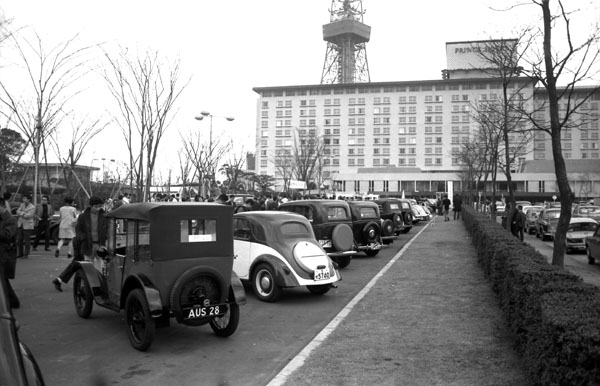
{"x": 583, "y": 227}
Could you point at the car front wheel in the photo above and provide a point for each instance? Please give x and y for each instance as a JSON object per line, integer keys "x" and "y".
{"x": 343, "y": 261}
{"x": 264, "y": 285}
{"x": 226, "y": 325}
{"x": 82, "y": 295}
{"x": 140, "y": 324}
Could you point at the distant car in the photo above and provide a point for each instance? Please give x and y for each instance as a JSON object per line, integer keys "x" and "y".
{"x": 367, "y": 227}
{"x": 522, "y": 203}
{"x": 589, "y": 211}
{"x": 579, "y": 229}
{"x": 592, "y": 246}
{"x": 545, "y": 224}
{"x": 500, "y": 207}
{"x": 398, "y": 211}
{"x": 17, "y": 364}
{"x": 531, "y": 214}
{"x": 276, "y": 250}
{"x": 331, "y": 222}
{"x": 419, "y": 212}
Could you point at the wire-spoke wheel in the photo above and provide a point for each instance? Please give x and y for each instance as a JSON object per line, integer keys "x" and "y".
{"x": 226, "y": 324}
{"x": 140, "y": 324}
{"x": 82, "y": 295}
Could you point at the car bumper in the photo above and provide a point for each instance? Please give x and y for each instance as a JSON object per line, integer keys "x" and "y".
{"x": 370, "y": 247}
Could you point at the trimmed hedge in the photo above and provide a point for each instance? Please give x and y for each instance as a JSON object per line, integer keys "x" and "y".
{"x": 553, "y": 314}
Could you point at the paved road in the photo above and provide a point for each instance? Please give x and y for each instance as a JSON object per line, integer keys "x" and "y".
{"x": 74, "y": 351}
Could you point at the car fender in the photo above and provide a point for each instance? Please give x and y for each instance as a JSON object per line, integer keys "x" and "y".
{"x": 93, "y": 277}
{"x": 283, "y": 273}
{"x": 152, "y": 294}
{"x": 237, "y": 293}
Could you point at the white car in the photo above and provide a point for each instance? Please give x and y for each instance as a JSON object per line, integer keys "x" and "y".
{"x": 275, "y": 250}
{"x": 579, "y": 229}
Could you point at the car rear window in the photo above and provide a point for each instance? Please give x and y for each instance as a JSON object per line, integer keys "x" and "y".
{"x": 337, "y": 213}
{"x": 591, "y": 210}
{"x": 198, "y": 230}
{"x": 553, "y": 214}
{"x": 368, "y": 213}
{"x": 394, "y": 206}
{"x": 295, "y": 229}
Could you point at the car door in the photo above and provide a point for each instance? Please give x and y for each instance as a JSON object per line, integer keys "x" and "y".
{"x": 242, "y": 247}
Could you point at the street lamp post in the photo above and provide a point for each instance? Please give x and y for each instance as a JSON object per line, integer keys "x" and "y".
{"x": 200, "y": 117}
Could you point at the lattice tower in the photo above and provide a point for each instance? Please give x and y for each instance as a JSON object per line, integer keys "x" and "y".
{"x": 346, "y": 36}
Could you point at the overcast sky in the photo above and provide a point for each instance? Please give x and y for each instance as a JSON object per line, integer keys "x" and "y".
{"x": 229, "y": 47}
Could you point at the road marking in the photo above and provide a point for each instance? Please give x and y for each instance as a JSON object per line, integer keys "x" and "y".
{"x": 299, "y": 359}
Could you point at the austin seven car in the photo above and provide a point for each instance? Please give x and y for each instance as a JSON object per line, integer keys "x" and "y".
{"x": 162, "y": 261}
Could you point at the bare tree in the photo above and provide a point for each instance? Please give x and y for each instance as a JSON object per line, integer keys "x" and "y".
{"x": 570, "y": 67}
{"x": 53, "y": 75}
{"x": 284, "y": 164}
{"x": 12, "y": 145}
{"x": 307, "y": 153}
{"x": 233, "y": 169}
{"x": 145, "y": 90}
{"x": 507, "y": 111}
{"x": 82, "y": 132}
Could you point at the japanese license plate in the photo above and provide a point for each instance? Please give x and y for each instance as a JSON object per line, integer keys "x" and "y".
{"x": 322, "y": 274}
{"x": 325, "y": 243}
{"x": 204, "y": 312}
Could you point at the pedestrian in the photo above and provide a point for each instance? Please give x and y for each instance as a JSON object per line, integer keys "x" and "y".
{"x": 8, "y": 256}
{"x": 446, "y": 207}
{"x": 91, "y": 232}
{"x": 457, "y": 206}
{"x": 66, "y": 228}
{"x": 519, "y": 222}
{"x": 125, "y": 199}
{"x": 43, "y": 213}
{"x": 25, "y": 225}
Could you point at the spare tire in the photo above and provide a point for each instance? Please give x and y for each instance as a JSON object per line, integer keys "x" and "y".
{"x": 342, "y": 237}
{"x": 387, "y": 228}
{"x": 191, "y": 288}
{"x": 371, "y": 232}
{"x": 397, "y": 219}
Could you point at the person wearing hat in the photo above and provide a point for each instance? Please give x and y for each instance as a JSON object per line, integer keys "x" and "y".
{"x": 91, "y": 231}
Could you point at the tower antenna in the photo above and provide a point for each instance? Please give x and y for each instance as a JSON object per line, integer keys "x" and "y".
{"x": 346, "y": 35}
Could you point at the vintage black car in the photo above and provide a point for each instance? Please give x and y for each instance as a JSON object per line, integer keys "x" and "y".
{"x": 369, "y": 230}
{"x": 17, "y": 364}
{"x": 276, "y": 250}
{"x": 332, "y": 223}
{"x": 165, "y": 260}
{"x": 398, "y": 211}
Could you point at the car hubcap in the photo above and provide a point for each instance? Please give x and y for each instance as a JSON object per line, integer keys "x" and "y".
{"x": 266, "y": 283}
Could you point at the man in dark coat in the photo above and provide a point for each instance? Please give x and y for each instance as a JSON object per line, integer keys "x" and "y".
{"x": 8, "y": 253}
{"x": 91, "y": 232}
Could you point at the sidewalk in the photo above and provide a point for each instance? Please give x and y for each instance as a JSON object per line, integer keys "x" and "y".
{"x": 430, "y": 319}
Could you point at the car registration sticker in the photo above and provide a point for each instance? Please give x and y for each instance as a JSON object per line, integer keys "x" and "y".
{"x": 325, "y": 243}
{"x": 322, "y": 274}
{"x": 203, "y": 312}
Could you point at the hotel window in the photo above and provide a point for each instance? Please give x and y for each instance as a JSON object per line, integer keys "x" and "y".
{"x": 263, "y": 142}
{"x": 375, "y": 141}
{"x": 386, "y": 151}
{"x": 361, "y": 131}
{"x": 376, "y": 151}
{"x": 401, "y": 140}
{"x": 412, "y": 119}
{"x": 376, "y": 121}
{"x": 438, "y": 139}
{"x": 386, "y": 130}
{"x": 412, "y": 99}
{"x": 428, "y": 119}
{"x": 402, "y": 120}
{"x": 263, "y": 163}
{"x": 352, "y": 101}
{"x": 438, "y": 119}
{"x": 428, "y": 140}
{"x": 428, "y": 98}
{"x": 428, "y": 161}
{"x": 385, "y": 161}
{"x": 377, "y": 100}
{"x": 279, "y": 103}
{"x": 336, "y": 162}
{"x": 361, "y": 121}
{"x": 465, "y": 98}
{"x": 401, "y": 161}
{"x": 360, "y": 162}
{"x": 288, "y": 103}
{"x": 412, "y": 109}
{"x": 385, "y": 141}
{"x": 438, "y": 98}
{"x": 264, "y": 133}
{"x": 401, "y": 150}
{"x": 265, "y": 104}
{"x": 376, "y": 130}
{"x": 584, "y": 155}
{"x": 402, "y": 99}
{"x": 264, "y": 124}
{"x": 438, "y": 150}
{"x": 438, "y": 161}
{"x": 278, "y": 142}
{"x": 438, "y": 129}
{"x": 439, "y": 109}
{"x": 361, "y": 101}
{"x": 386, "y": 100}
{"x": 412, "y": 161}
{"x": 412, "y": 130}
{"x": 361, "y": 151}
{"x": 351, "y": 162}
{"x": 265, "y": 114}
{"x": 428, "y": 129}
{"x": 428, "y": 150}
{"x": 412, "y": 150}
{"x": 455, "y": 98}
{"x": 567, "y": 155}
{"x": 375, "y": 161}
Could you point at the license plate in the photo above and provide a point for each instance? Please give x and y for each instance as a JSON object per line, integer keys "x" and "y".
{"x": 204, "y": 312}
{"x": 322, "y": 274}
{"x": 325, "y": 243}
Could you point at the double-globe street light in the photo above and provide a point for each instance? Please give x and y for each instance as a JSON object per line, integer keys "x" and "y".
{"x": 204, "y": 114}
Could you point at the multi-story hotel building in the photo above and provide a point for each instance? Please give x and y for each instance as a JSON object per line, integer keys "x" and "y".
{"x": 389, "y": 137}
